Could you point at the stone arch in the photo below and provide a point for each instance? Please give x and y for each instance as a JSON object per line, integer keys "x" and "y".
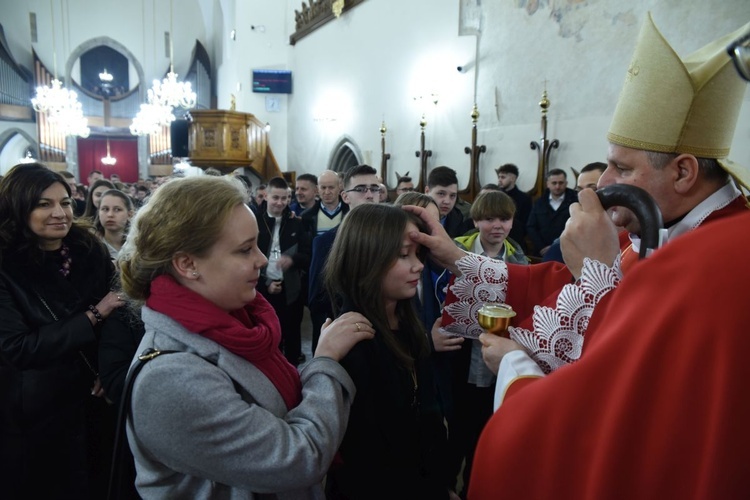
{"x": 14, "y": 143}
{"x": 9, "y": 134}
{"x": 113, "y": 44}
{"x": 345, "y": 154}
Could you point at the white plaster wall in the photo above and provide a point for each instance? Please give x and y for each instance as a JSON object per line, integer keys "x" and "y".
{"x": 266, "y": 46}
{"x": 367, "y": 65}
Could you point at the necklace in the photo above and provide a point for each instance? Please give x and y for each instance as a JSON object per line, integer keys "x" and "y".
{"x": 66, "y": 260}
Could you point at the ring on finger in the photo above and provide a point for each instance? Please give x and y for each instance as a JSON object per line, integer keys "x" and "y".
{"x": 357, "y": 325}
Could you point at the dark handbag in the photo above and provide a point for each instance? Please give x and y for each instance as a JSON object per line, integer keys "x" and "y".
{"x": 118, "y": 452}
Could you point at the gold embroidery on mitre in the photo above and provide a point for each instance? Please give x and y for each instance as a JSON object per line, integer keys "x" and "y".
{"x": 673, "y": 105}
{"x": 633, "y": 70}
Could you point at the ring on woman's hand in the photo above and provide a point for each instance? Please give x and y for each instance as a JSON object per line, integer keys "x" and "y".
{"x": 357, "y": 325}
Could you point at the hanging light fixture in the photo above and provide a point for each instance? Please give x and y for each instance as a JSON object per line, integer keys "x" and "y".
{"x": 163, "y": 97}
{"x": 28, "y": 158}
{"x": 150, "y": 118}
{"x": 70, "y": 120}
{"x": 104, "y": 76}
{"x": 109, "y": 160}
{"x": 171, "y": 93}
{"x": 60, "y": 105}
{"x": 146, "y": 121}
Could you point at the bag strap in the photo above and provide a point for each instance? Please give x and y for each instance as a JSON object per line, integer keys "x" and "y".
{"x": 115, "y": 473}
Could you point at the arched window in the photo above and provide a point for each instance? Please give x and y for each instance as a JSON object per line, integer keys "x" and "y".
{"x": 345, "y": 155}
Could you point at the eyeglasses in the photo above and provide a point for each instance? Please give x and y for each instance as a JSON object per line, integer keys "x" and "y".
{"x": 740, "y": 54}
{"x": 363, "y": 189}
{"x": 405, "y": 190}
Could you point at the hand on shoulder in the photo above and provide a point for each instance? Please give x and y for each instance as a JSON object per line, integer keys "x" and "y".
{"x": 337, "y": 337}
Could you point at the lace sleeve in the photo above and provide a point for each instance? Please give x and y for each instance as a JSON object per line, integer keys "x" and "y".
{"x": 558, "y": 333}
{"x": 482, "y": 280}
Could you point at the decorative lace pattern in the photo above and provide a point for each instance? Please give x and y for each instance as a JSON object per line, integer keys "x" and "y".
{"x": 482, "y": 280}
{"x": 559, "y": 332}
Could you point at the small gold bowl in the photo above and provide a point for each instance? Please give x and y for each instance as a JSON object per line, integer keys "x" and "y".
{"x": 495, "y": 318}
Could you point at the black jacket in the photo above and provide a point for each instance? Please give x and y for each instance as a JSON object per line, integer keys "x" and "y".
{"x": 294, "y": 241}
{"x": 456, "y": 224}
{"x": 523, "y": 210}
{"x": 546, "y": 224}
{"x": 45, "y": 382}
{"x": 42, "y": 350}
{"x": 395, "y": 443}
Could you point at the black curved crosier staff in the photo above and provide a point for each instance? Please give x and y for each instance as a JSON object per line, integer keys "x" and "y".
{"x": 642, "y": 205}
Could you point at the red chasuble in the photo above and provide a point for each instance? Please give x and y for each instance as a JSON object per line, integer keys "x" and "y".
{"x": 540, "y": 284}
{"x": 658, "y": 405}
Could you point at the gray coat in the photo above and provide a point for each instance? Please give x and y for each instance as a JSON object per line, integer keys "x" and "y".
{"x": 207, "y": 424}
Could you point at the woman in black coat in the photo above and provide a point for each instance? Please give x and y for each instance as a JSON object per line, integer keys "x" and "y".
{"x": 55, "y": 278}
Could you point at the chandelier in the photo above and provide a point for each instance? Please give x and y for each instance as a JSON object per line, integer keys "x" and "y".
{"x": 69, "y": 120}
{"x": 60, "y": 105}
{"x": 109, "y": 160}
{"x": 62, "y": 108}
{"x": 163, "y": 97}
{"x": 151, "y": 118}
{"x": 171, "y": 93}
{"x": 28, "y": 158}
{"x": 53, "y": 100}
{"x": 106, "y": 77}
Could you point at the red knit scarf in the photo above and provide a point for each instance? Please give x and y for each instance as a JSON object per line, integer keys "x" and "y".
{"x": 252, "y": 332}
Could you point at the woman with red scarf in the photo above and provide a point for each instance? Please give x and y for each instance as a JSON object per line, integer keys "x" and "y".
{"x": 227, "y": 416}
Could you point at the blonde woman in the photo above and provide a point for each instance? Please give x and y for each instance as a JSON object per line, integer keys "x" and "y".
{"x": 227, "y": 416}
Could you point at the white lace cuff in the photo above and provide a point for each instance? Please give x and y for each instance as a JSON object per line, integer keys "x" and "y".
{"x": 482, "y": 280}
{"x": 558, "y": 333}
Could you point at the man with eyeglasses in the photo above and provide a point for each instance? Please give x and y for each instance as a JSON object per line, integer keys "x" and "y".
{"x": 674, "y": 145}
{"x": 624, "y": 339}
{"x": 656, "y": 407}
{"x": 404, "y": 185}
{"x": 739, "y": 52}
{"x": 361, "y": 185}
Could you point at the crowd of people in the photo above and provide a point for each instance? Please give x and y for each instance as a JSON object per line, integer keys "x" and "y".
{"x": 405, "y": 396}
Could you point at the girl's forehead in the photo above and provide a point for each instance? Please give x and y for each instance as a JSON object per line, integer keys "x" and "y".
{"x": 113, "y": 200}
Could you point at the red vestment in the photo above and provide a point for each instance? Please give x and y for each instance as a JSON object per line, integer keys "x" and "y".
{"x": 658, "y": 406}
{"x": 541, "y": 284}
